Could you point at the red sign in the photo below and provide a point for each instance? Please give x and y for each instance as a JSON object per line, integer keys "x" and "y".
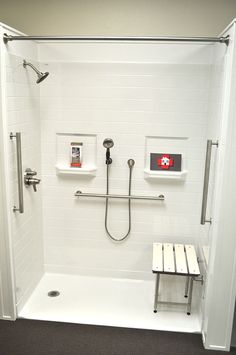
{"x": 165, "y": 162}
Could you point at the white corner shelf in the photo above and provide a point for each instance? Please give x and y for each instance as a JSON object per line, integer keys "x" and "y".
{"x": 85, "y": 170}
{"x": 156, "y": 174}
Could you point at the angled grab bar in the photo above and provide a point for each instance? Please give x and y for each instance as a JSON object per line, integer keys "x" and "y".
{"x": 20, "y": 209}
{"x": 210, "y": 143}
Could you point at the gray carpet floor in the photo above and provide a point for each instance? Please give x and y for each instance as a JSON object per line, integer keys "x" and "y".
{"x": 29, "y": 337}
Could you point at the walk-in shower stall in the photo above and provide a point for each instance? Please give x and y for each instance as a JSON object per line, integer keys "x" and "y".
{"x": 89, "y": 132}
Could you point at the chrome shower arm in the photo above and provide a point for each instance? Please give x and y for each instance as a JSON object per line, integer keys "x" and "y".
{"x": 32, "y": 66}
{"x": 41, "y": 75}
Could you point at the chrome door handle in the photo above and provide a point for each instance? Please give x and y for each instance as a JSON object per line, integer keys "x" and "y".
{"x": 20, "y": 209}
{"x": 210, "y": 143}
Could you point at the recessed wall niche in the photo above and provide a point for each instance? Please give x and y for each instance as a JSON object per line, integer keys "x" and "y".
{"x": 165, "y": 145}
{"x": 63, "y": 155}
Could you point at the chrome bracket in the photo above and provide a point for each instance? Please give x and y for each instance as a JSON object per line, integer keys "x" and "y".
{"x": 6, "y": 38}
{"x": 225, "y": 40}
{"x": 12, "y": 136}
{"x": 199, "y": 279}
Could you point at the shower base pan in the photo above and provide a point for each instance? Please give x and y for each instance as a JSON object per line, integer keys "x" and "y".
{"x": 104, "y": 301}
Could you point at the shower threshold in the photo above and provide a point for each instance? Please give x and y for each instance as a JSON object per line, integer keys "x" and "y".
{"x": 104, "y": 301}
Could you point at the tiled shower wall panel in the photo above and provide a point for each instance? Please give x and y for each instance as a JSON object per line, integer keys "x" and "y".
{"x": 214, "y": 127}
{"x": 137, "y": 92}
{"x": 22, "y": 100}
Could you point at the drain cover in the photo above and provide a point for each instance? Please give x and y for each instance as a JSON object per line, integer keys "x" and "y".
{"x": 53, "y": 293}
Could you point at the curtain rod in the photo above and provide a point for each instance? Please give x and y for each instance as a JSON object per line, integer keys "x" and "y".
{"x": 7, "y": 38}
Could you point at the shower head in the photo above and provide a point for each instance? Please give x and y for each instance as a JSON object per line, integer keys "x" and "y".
{"x": 41, "y": 76}
{"x": 108, "y": 143}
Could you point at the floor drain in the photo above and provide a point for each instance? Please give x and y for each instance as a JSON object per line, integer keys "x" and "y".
{"x": 53, "y": 293}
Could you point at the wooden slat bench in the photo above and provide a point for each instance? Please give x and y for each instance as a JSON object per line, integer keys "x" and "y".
{"x": 175, "y": 259}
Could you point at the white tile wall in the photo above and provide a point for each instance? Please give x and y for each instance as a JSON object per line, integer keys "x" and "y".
{"x": 127, "y": 98}
{"x": 22, "y": 96}
{"x": 129, "y": 52}
{"x": 214, "y": 123}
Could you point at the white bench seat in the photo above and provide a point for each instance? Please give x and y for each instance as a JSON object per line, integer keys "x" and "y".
{"x": 175, "y": 259}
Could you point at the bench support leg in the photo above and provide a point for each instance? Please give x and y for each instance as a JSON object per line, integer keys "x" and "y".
{"x": 189, "y": 304}
{"x": 156, "y": 292}
{"x": 186, "y": 287}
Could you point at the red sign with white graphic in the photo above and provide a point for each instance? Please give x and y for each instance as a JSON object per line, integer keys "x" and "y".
{"x": 165, "y": 161}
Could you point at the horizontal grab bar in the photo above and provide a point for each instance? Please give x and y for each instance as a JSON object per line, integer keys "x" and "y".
{"x": 128, "y": 197}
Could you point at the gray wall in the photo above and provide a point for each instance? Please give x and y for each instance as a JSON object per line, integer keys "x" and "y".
{"x": 118, "y": 17}
{"x": 233, "y": 339}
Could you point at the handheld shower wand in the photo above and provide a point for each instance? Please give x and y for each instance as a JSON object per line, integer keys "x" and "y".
{"x": 108, "y": 143}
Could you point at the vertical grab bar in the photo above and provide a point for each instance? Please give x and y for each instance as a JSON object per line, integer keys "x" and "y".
{"x": 206, "y": 181}
{"x": 19, "y": 172}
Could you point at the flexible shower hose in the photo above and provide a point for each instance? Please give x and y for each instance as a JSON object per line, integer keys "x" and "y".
{"x": 129, "y": 207}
